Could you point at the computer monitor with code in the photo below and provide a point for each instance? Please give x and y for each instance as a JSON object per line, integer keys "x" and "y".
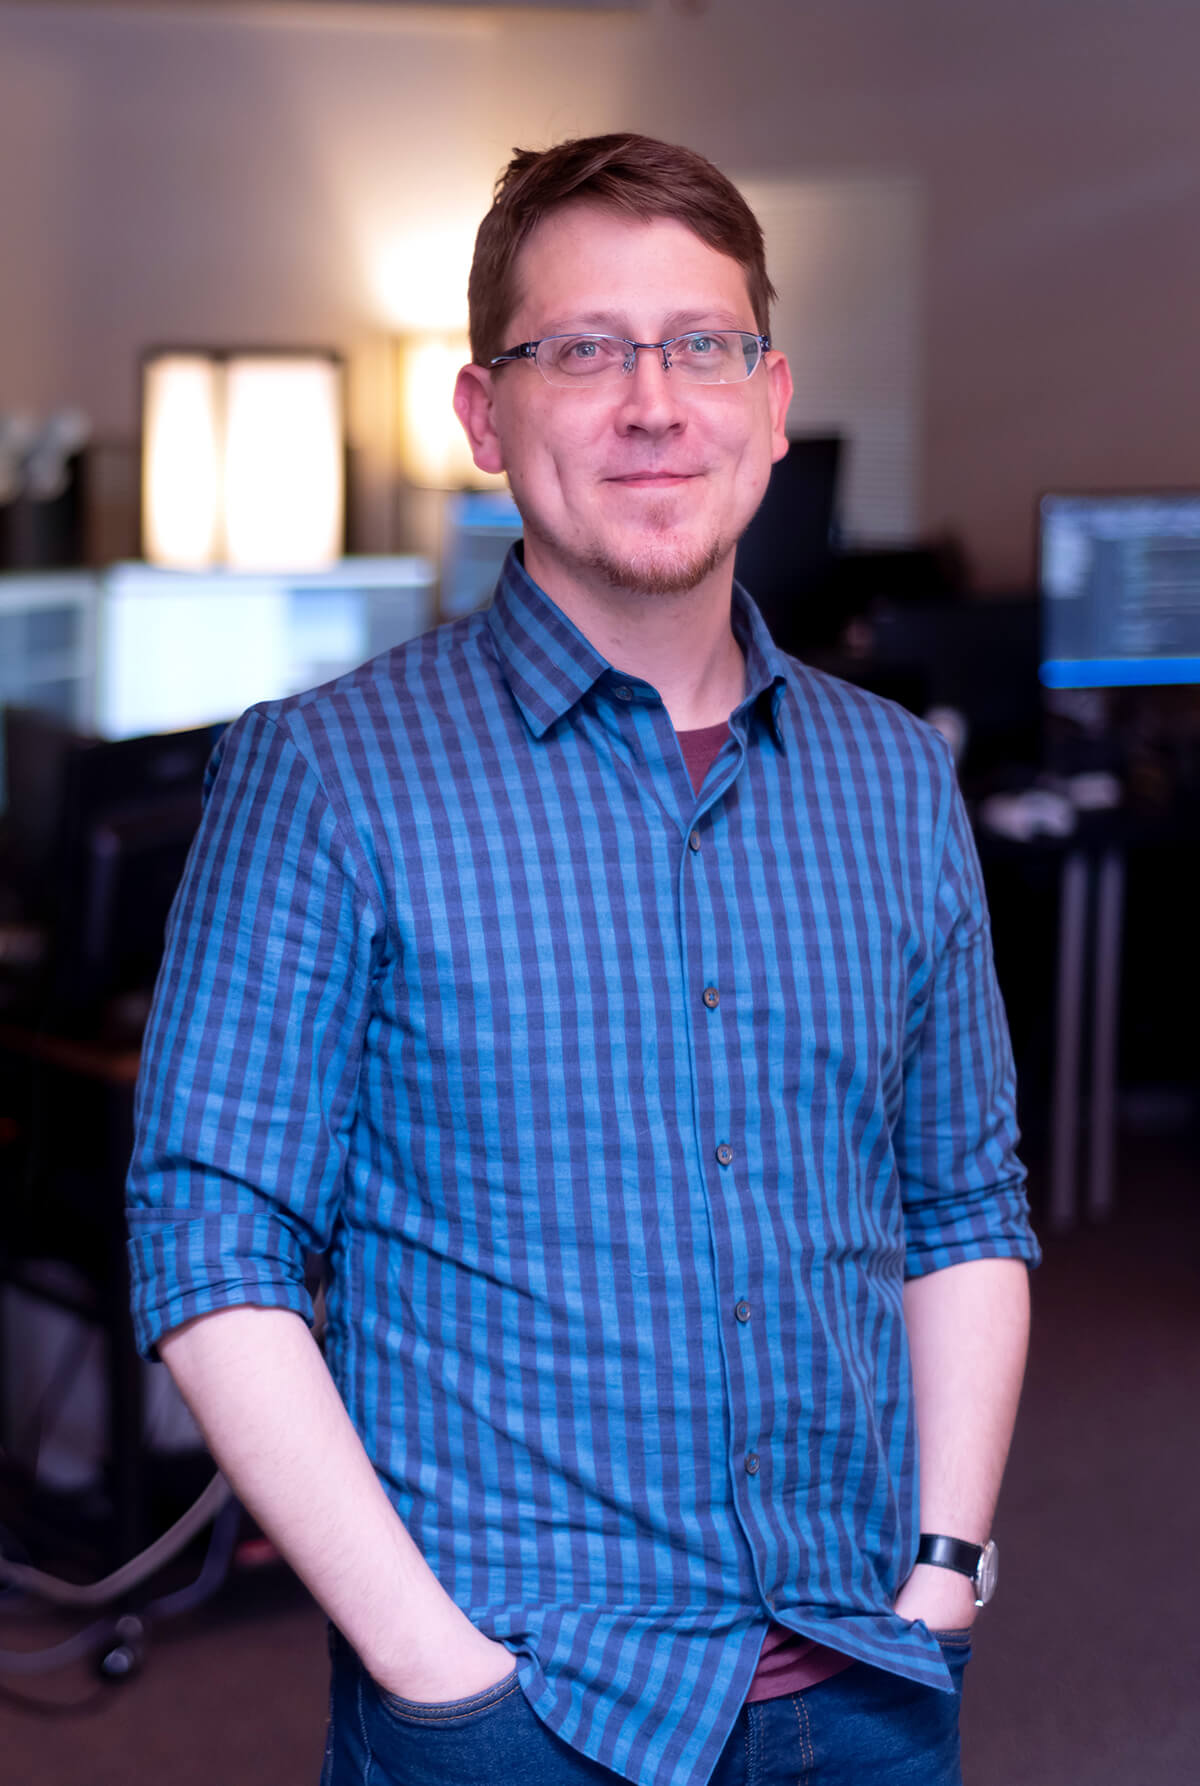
{"x": 1119, "y": 577}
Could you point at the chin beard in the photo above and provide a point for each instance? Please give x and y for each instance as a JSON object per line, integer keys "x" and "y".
{"x": 658, "y": 571}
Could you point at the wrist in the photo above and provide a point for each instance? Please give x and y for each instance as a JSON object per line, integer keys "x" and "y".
{"x": 450, "y": 1659}
{"x": 941, "y": 1599}
{"x": 977, "y": 1563}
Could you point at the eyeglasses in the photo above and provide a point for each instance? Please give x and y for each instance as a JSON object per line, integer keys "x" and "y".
{"x": 704, "y": 356}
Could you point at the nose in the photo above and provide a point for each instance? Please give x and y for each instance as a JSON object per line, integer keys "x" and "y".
{"x": 650, "y": 397}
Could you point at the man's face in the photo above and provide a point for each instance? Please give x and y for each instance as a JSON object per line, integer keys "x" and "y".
{"x": 646, "y": 484}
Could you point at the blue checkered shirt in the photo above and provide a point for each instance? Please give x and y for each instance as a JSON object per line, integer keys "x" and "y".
{"x": 622, "y": 1111}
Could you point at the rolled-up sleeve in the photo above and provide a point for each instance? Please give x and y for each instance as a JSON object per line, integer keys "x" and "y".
{"x": 250, "y": 1064}
{"x": 963, "y": 1185}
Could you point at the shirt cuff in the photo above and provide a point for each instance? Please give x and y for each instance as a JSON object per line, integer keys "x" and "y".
{"x": 178, "y": 1270}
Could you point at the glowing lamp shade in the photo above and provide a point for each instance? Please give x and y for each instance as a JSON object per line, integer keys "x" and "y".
{"x": 242, "y": 461}
{"x": 181, "y": 461}
{"x": 433, "y": 448}
{"x": 283, "y": 464}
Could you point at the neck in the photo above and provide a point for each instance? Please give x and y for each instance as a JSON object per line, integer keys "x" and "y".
{"x": 682, "y": 644}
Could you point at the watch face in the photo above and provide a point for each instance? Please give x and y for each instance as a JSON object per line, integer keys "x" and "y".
{"x": 986, "y": 1573}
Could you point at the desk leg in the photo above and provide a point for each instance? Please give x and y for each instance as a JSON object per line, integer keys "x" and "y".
{"x": 1109, "y": 903}
{"x": 1068, "y": 1024}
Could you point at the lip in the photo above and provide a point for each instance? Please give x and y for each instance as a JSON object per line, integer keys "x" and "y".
{"x": 653, "y": 480}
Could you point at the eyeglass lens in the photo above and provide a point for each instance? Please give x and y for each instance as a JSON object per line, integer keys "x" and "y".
{"x": 720, "y": 356}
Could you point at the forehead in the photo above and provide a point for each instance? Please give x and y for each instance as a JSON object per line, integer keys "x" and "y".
{"x": 584, "y": 266}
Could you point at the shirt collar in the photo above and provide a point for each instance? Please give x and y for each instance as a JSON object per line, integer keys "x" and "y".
{"x": 547, "y": 662}
{"x": 549, "y": 665}
{"x": 769, "y": 671}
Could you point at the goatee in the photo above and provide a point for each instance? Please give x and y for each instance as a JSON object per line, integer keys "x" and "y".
{"x": 660, "y": 571}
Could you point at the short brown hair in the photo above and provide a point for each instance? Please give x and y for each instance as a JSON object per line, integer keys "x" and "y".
{"x": 636, "y": 175}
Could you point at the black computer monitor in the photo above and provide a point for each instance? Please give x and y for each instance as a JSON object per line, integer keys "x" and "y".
{"x": 1119, "y": 578}
{"x": 784, "y": 556}
{"x": 981, "y": 658}
{"x": 130, "y": 810}
{"x": 38, "y": 748}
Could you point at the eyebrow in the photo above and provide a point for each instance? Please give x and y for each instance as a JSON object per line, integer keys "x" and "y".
{"x": 613, "y": 322}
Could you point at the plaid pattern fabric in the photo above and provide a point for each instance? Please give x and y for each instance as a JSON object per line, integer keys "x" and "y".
{"x": 623, "y": 1111}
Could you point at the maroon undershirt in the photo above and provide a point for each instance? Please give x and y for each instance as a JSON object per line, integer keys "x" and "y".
{"x": 787, "y": 1663}
{"x": 700, "y": 750}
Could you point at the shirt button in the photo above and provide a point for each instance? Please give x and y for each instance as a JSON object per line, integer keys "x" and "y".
{"x": 724, "y": 1154}
{"x": 623, "y": 692}
{"x": 752, "y": 1463}
{"x": 694, "y": 841}
{"x": 742, "y": 1310}
{"x": 712, "y": 997}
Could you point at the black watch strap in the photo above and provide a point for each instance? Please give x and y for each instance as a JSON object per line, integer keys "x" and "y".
{"x": 950, "y": 1553}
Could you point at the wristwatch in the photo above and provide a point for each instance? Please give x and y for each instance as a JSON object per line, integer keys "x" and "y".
{"x": 978, "y": 1562}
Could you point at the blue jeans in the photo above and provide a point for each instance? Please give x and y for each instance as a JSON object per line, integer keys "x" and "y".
{"x": 863, "y": 1725}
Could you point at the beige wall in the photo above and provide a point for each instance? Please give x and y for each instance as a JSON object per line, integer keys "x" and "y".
{"x": 249, "y": 176}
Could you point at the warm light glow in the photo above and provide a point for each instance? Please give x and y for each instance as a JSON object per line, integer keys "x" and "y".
{"x": 181, "y": 462}
{"x": 242, "y": 462}
{"x": 283, "y": 463}
{"x": 421, "y": 282}
{"x": 434, "y": 449}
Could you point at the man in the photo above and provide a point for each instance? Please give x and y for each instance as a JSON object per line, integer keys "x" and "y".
{"x": 611, "y": 998}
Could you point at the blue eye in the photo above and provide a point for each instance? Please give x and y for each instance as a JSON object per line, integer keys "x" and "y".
{"x": 579, "y": 355}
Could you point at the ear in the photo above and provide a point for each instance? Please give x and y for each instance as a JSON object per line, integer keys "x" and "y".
{"x": 779, "y": 395}
{"x": 473, "y": 407}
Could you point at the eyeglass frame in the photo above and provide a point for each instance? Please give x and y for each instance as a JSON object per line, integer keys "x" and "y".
{"x": 527, "y": 350}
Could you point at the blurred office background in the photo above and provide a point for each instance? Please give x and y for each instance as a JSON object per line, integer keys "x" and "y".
{"x": 982, "y": 225}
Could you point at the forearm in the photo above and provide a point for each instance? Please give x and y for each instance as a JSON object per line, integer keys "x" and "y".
{"x": 273, "y": 1419}
{"x": 968, "y": 1333}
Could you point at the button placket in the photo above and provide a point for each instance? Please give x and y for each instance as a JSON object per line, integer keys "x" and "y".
{"x": 723, "y": 1153}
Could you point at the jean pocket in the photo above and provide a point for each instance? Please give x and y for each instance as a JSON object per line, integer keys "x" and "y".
{"x": 448, "y": 1712}
{"x": 956, "y": 1653}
